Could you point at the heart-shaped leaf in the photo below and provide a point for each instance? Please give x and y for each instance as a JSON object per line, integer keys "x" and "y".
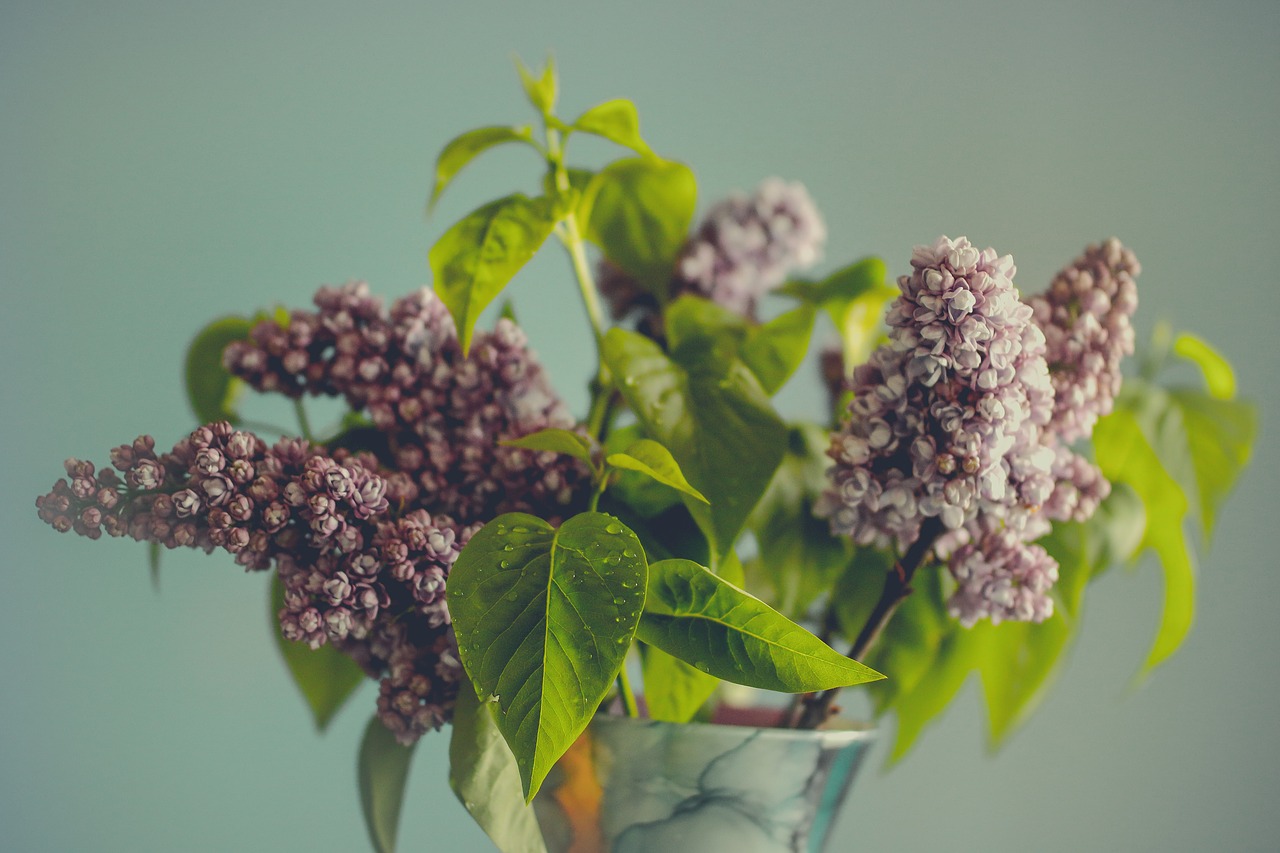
{"x": 704, "y": 620}
{"x": 544, "y": 619}
{"x": 673, "y": 689}
{"x": 616, "y": 121}
{"x": 484, "y": 776}
{"x": 475, "y": 259}
{"x": 382, "y": 770}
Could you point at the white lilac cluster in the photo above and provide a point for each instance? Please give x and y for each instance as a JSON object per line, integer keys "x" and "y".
{"x": 745, "y": 246}
{"x": 946, "y": 422}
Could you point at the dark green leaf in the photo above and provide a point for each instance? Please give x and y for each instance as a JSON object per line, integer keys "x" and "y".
{"x": 542, "y": 88}
{"x": 798, "y": 555}
{"x": 858, "y": 588}
{"x": 1125, "y": 456}
{"x": 382, "y": 770}
{"x": 462, "y": 149}
{"x": 1220, "y": 435}
{"x": 544, "y": 618}
{"x": 211, "y": 390}
{"x": 713, "y": 416}
{"x": 484, "y": 776}
{"x": 325, "y": 676}
{"x": 473, "y": 261}
{"x": 153, "y": 562}
{"x": 553, "y": 440}
{"x": 694, "y": 615}
{"x": 775, "y": 350}
{"x": 1218, "y": 375}
{"x": 640, "y": 215}
{"x": 616, "y": 121}
{"x": 508, "y": 311}
{"x": 650, "y": 458}
{"x": 855, "y": 297}
{"x": 674, "y": 691}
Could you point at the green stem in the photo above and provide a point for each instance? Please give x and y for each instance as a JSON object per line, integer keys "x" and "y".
{"x": 628, "y": 698}
{"x": 303, "y": 423}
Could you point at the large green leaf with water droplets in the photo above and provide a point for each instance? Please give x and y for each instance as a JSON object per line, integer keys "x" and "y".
{"x": 702, "y": 619}
{"x": 544, "y": 618}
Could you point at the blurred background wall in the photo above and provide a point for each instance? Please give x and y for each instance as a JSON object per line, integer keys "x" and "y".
{"x": 165, "y": 162}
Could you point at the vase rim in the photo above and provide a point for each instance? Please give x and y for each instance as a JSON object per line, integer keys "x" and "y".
{"x": 842, "y": 732}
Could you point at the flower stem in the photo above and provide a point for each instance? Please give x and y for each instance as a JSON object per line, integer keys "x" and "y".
{"x": 303, "y": 423}
{"x": 816, "y": 708}
{"x": 628, "y": 698}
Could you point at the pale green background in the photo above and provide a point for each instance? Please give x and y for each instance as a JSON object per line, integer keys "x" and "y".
{"x": 165, "y": 162}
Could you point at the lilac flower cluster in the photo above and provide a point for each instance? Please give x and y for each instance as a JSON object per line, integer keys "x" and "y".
{"x": 443, "y": 414}
{"x": 959, "y": 417}
{"x": 745, "y": 246}
{"x": 352, "y": 575}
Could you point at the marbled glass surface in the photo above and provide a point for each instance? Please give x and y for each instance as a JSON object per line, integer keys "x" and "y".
{"x": 631, "y": 786}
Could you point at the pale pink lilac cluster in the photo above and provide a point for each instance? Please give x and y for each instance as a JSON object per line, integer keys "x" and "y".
{"x": 353, "y": 575}
{"x": 745, "y": 246}
{"x": 960, "y": 417}
{"x": 443, "y": 414}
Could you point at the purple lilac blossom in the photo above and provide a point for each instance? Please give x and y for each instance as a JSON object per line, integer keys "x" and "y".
{"x": 745, "y": 246}
{"x": 354, "y": 576}
{"x": 444, "y": 414}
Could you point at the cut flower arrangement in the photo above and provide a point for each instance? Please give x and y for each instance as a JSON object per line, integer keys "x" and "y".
{"x": 504, "y": 568}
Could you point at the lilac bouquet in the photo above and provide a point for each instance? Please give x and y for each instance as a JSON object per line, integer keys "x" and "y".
{"x": 497, "y": 562}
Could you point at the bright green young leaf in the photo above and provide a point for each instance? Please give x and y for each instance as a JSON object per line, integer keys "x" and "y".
{"x": 855, "y": 297}
{"x": 775, "y": 349}
{"x": 1218, "y": 375}
{"x": 957, "y": 653}
{"x": 473, "y": 261}
{"x": 640, "y": 214}
{"x": 544, "y": 618}
{"x": 674, "y": 691}
{"x": 564, "y": 441}
{"x": 650, "y": 458}
{"x": 798, "y": 555}
{"x": 211, "y": 390}
{"x": 325, "y": 676}
{"x": 1125, "y": 456}
{"x": 704, "y": 620}
{"x": 1020, "y": 663}
{"x": 382, "y": 770}
{"x": 713, "y": 416}
{"x": 574, "y": 198}
{"x": 464, "y": 148}
{"x": 542, "y": 88}
{"x": 616, "y": 121}
{"x": 153, "y": 563}
{"x": 639, "y": 492}
{"x": 1220, "y": 435}
{"x": 484, "y": 776}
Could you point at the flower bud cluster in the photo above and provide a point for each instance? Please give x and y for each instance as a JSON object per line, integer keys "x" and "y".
{"x": 352, "y": 575}
{"x": 745, "y": 246}
{"x": 444, "y": 414}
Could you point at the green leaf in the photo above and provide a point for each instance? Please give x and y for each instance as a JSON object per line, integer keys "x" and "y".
{"x": 616, "y": 121}
{"x": 554, "y": 440}
{"x": 696, "y": 616}
{"x": 1217, "y": 371}
{"x": 509, "y": 311}
{"x": 650, "y": 458}
{"x": 858, "y": 588}
{"x": 544, "y": 618}
{"x": 1125, "y": 456}
{"x": 1020, "y": 663}
{"x": 484, "y": 776}
{"x": 640, "y": 214}
{"x": 639, "y": 492}
{"x": 382, "y": 770}
{"x": 798, "y": 555}
{"x": 462, "y": 149}
{"x": 674, "y": 691}
{"x": 775, "y": 350}
{"x": 211, "y": 390}
{"x": 542, "y": 88}
{"x": 473, "y": 261}
{"x": 1220, "y": 435}
{"x": 855, "y": 297}
{"x": 575, "y": 198}
{"x": 153, "y": 563}
{"x": 713, "y": 416}
{"x": 325, "y": 676}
